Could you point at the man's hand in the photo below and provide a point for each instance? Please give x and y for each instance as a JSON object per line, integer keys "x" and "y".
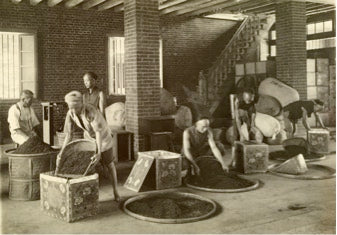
{"x": 225, "y": 168}
{"x": 96, "y": 158}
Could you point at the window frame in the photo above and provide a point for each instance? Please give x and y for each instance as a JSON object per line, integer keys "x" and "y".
{"x": 34, "y": 33}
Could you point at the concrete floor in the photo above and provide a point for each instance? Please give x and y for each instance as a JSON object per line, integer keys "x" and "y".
{"x": 264, "y": 210}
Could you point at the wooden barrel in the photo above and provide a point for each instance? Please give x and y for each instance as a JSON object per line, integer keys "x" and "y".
{"x": 279, "y": 90}
{"x": 24, "y": 173}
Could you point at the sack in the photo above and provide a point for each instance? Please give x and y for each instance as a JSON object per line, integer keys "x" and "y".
{"x": 268, "y": 125}
{"x": 279, "y": 90}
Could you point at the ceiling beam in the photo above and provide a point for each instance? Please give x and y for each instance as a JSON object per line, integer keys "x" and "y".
{"x": 109, "y": 4}
{"x": 187, "y": 4}
{"x": 329, "y": 2}
{"x": 52, "y": 3}
{"x": 322, "y": 9}
{"x": 72, "y": 3}
{"x": 35, "y": 2}
{"x": 196, "y": 7}
{"x": 246, "y": 5}
{"x": 91, "y": 3}
{"x": 16, "y": 1}
{"x": 223, "y": 6}
{"x": 119, "y": 8}
{"x": 259, "y": 7}
{"x": 170, "y": 3}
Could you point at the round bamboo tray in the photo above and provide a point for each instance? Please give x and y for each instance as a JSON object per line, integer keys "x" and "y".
{"x": 255, "y": 185}
{"x": 282, "y": 159}
{"x": 329, "y": 172}
{"x": 169, "y": 221}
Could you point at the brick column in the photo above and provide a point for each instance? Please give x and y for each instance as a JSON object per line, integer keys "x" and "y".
{"x": 141, "y": 29}
{"x": 291, "y": 54}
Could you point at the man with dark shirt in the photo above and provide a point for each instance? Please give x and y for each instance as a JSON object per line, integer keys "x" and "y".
{"x": 304, "y": 109}
{"x": 245, "y": 112}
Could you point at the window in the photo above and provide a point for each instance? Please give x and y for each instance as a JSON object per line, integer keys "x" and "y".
{"x": 116, "y": 65}
{"x": 273, "y": 50}
{"x": 319, "y": 27}
{"x": 17, "y": 64}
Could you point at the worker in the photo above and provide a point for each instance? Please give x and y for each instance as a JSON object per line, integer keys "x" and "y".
{"x": 91, "y": 121}
{"x": 245, "y": 113}
{"x": 198, "y": 140}
{"x": 22, "y": 119}
{"x": 303, "y": 109}
{"x": 93, "y": 95}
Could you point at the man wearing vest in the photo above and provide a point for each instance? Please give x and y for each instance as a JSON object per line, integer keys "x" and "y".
{"x": 22, "y": 118}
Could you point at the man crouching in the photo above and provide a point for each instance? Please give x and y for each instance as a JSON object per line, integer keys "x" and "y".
{"x": 198, "y": 141}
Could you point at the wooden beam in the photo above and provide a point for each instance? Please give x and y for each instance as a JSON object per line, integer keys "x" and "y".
{"x": 322, "y": 9}
{"x": 170, "y": 3}
{"x": 246, "y": 5}
{"x": 119, "y": 8}
{"x": 16, "y": 1}
{"x": 329, "y": 2}
{"x": 196, "y": 7}
{"x": 315, "y": 12}
{"x": 109, "y": 4}
{"x": 187, "y": 4}
{"x": 260, "y": 8}
{"x": 91, "y": 3}
{"x": 72, "y": 3}
{"x": 52, "y": 3}
{"x": 35, "y": 2}
{"x": 223, "y": 6}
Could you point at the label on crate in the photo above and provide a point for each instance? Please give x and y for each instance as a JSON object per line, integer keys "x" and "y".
{"x": 168, "y": 173}
{"x": 139, "y": 172}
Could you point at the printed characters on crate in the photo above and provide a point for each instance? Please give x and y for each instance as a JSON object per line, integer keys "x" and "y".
{"x": 22, "y": 119}
{"x": 93, "y": 95}
{"x": 245, "y": 113}
{"x": 304, "y": 109}
{"x": 198, "y": 140}
{"x": 92, "y": 122}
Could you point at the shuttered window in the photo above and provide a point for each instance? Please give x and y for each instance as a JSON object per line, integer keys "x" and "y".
{"x": 116, "y": 65}
{"x": 17, "y": 64}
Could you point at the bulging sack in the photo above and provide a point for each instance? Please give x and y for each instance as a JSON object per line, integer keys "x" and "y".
{"x": 268, "y": 125}
{"x": 279, "y": 90}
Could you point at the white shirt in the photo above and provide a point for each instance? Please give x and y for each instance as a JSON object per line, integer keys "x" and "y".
{"x": 92, "y": 121}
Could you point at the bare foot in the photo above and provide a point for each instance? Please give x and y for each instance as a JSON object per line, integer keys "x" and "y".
{"x": 117, "y": 198}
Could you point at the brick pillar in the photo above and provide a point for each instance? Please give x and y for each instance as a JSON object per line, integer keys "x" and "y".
{"x": 291, "y": 54}
{"x": 141, "y": 29}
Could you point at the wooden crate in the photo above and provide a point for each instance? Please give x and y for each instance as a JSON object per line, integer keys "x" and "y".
{"x": 318, "y": 140}
{"x": 251, "y": 157}
{"x": 156, "y": 169}
{"x": 69, "y": 199}
{"x": 156, "y": 124}
{"x": 123, "y": 145}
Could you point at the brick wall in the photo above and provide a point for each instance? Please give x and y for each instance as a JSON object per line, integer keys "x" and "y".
{"x": 141, "y": 64}
{"x": 189, "y": 46}
{"x": 291, "y": 53}
{"x": 70, "y": 42}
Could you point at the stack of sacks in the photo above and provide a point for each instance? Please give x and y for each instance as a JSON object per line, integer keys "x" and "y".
{"x": 273, "y": 97}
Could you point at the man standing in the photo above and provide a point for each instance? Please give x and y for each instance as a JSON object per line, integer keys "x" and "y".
{"x": 22, "y": 118}
{"x": 198, "y": 141}
{"x": 92, "y": 122}
{"x": 303, "y": 109}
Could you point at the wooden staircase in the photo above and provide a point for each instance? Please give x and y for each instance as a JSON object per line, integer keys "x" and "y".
{"x": 243, "y": 47}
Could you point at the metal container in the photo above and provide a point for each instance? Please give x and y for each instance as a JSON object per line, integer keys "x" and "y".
{"x": 24, "y": 171}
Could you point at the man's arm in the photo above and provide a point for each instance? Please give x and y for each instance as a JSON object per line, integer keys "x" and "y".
{"x": 215, "y": 150}
{"x": 305, "y": 119}
{"x": 319, "y": 119}
{"x": 101, "y": 102}
{"x": 13, "y": 120}
{"x": 187, "y": 151}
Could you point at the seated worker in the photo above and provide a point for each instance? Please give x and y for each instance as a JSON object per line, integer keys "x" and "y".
{"x": 303, "y": 109}
{"x": 198, "y": 141}
{"x": 245, "y": 112}
{"x": 22, "y": 118}
{"x": 93, "y": 95}
{"x": 91, "y": 121}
